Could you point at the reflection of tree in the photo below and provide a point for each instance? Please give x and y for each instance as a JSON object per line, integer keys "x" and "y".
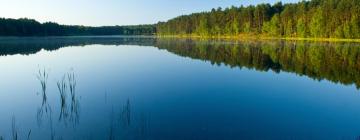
{"x": 337, "y": 62}
{"x": 26, "y": 46}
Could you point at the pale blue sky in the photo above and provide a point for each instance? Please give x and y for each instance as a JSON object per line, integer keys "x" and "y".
{"x": 112, "y": 12}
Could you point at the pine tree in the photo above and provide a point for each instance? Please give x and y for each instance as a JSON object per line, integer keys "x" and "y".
{"x": 301, "y": 28}
{"x": 317, "y": 24}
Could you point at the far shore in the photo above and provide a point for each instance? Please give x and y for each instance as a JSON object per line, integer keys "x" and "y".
{"x": 262, "y": 37}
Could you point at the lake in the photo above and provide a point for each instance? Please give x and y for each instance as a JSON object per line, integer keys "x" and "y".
{"x": 147, "y": 88}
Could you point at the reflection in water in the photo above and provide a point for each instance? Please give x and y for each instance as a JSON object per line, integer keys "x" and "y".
{"x": 43, "y": 77}
{"x": 45, "y": 111}
{"x": 126, "y": 114}
{"x": 27, "y": 46}
{"x": 62, "y": 87}
{"x": 144, "y": 126}
{"x": 74, "y": 106}
{"x": 65, "y": 86}
{"x": 45, "y": 108}
{"x": 28, "y": 136}
{"x": 68, "y": 85}
{"x": 337, "y": 62}
{"x": 14, "y": 131}
{"x": 112, "y": 125}
{"x": 124, "y": 128}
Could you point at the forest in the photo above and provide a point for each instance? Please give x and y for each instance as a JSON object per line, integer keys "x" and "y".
{"x": 305, "y": 19}
{"x": 30, "y": 27}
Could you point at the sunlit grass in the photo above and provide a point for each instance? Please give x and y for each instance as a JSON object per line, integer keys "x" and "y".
{"x": 261, "y": 37}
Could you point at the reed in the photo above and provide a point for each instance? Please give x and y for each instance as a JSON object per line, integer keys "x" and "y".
{"x": 43, "y": 76}
{"x": 14, "y": 131}
{"x": 62, "y": 87}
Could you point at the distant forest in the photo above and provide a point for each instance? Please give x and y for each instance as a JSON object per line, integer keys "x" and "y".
{"x": 306, "y": 19}
{"x": 29, "y": 27}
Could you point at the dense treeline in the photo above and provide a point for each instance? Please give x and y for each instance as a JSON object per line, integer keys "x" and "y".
{"x": 338, "y": 62}
{"x": 29, "y": 27}
{"x": 312, "y": 19}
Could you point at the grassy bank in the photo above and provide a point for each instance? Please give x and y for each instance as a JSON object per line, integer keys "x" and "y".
{"x": 261, "y": 37}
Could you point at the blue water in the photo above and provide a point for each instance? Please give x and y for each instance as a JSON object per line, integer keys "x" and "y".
{"x": 133, "y": 88}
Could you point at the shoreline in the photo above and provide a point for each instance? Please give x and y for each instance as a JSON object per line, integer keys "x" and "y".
{"x": 260, "y": 37}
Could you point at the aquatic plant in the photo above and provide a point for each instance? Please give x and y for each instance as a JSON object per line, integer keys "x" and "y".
{"x": 14, "y": 131}
{"x": 43, "y": 76}
{"x": 62, "y": 87}
{"x": 74, "y": 106}
{"x": 112, "y": 125}
{"x": 72, "y": 84}
{"x": 28, "y": 136}
{"x": 126, "y": 114}
{"x": 144, "y": 126}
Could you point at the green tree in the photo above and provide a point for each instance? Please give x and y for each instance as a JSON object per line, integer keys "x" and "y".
{"x": 355, "y": 27}
{"x": 317, "y": 24}
{"x": 202, "y": 28}
{"x": 247, "y": 27}
{"x": 339, "y": 32}
{"x": 347, "y": 30}
{"x": 301, "y": 28}
{"x": 275, "y": 25}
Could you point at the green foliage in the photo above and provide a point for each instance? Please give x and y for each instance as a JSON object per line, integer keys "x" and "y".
{"x": 339, "y": 32}
{"x": 347, "y": 30}
{"x": 314, "y": 18}
{"x": 29, "y": 27}
{"x": 275, "y": 25}
{"x": 301, "y": 28}
{"x": 355, "y": 27}
{"x": 317, "y": 24}
{"x": 247, "y": 28}
{"x": 202, "y": 28}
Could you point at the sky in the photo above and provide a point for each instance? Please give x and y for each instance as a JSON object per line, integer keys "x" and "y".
{"x": 112, "y": 12}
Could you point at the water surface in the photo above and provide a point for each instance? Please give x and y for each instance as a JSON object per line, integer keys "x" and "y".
{"x": 149, "y": 88}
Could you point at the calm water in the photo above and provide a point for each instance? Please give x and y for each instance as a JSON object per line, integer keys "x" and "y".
{"x": 167, "y": 89}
